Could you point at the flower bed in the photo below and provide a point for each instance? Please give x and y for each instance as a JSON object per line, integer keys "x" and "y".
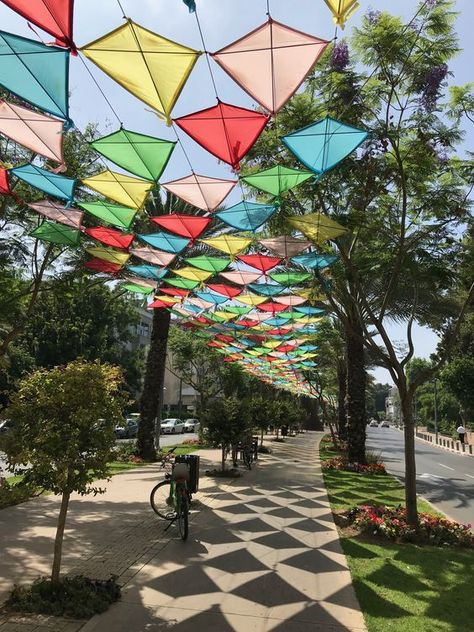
{"x": 342, "y": 464}
{"x": 391, "y": 523}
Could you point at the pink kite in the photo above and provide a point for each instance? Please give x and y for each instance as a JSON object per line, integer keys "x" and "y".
{"x": 271, "y": 62}
{"x": 58, "y": 213}
{"x": 200, "y": 191}
{"x": 53, "y": 16}
{"x": 41, "y": 133}
{"x": 152, "y": 255}
{"x": 290, "y": 301}
{"x": 184, "y": 225}
{"x": 111, "y": 237}
{"x": 226, "y": 131}
{"x": 241, "y": 278}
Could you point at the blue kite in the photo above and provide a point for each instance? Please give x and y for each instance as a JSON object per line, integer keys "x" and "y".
{"x": 166, "y": 242}
{"x": 314, "y": 261}
{"x": 247, "y": 215}
{"x": 47, "y": 181}
{"x": 148, "y": 272}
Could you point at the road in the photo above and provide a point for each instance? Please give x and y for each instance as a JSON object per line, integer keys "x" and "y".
{"x": 444, "y": 478}
{"x": 165, "y": 440}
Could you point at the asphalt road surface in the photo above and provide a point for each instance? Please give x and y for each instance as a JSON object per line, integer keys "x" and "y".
{"x": 164, "y": 441}
{"x": 444, "y": 478}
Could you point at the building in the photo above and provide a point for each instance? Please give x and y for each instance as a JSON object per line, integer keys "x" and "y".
{"x": 392, "y": 406}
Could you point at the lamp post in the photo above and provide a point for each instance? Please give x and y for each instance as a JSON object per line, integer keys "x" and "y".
{"x": 436, "y": 408}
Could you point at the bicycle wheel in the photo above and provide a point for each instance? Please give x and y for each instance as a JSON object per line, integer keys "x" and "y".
{"x": 160, "y": 501}
{"x": 183, "y": 513}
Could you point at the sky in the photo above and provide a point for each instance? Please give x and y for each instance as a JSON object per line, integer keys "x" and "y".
{"x": 222, "y": 22}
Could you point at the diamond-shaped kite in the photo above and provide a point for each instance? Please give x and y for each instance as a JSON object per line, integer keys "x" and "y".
{"x": 225, "y": 290}
{"x": 210, "y": 264}
{"x": 201, "y": 191}
{"x": 99, "y": 265}
{"x": 4, "y": 183}
{"x": 184, "y": 225}
{"x": 35, "y": 73}
{"x": 263, "y": 263}
{"x": 119, "y": 187}
{"x": 290, "y": 278}
{"x": 67, "y": 216}
{"x": 342, "y": 10}
{"x": 271, "y": 62}
{"x": 166, "y": 242}
{"x": 285, "y": 246}
{"x": 57, "y": 234}
{"x": 322, "y": 145}
{"x": 317, "y": 227}
{"x": 230, "y": 244}
{"x": 151, "y": 255}
{"x": 110, "y": 237}
{"x": 314, "y": 261}
{"x": 109, "y": 254}
{"x": 144, "y": 156}
{"x": 148, "y": 272}
{"x": 277, "y": 180}
{"x": 53, "y": 16}
{"x": 38, "y": 132}
{"x": 226, "y": 131}
{"x": 247, "y": 215}
{"x": 151, "y": 67}
{"x": 267, "y": 289}
{"x": 114, "y": 214}
{"x": 44, "y": 180}
{"x": 241, "y": 277}
{"x": 193, "y": 273}
{"x": 184, "y": 284}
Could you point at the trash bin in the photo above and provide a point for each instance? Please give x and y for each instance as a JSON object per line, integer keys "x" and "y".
{"x": 193, "y": 461}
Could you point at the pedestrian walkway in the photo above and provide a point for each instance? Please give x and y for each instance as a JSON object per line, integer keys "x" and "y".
{"x": 263, "y": 552}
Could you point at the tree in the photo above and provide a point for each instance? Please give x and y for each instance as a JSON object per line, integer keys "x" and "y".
{"x": 228, "y": 421}
{"x": 63, "y": 432}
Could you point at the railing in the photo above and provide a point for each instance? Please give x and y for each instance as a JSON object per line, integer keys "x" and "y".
{"x": 447, "y": 443}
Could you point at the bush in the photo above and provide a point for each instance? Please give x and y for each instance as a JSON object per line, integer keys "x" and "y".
{"x": 76, "y": 597}
{"x": 126, "y": 453}
{"x": 342, "y": 464}
{"x": 391, "y": 523}
{"x": 15, "y": 493}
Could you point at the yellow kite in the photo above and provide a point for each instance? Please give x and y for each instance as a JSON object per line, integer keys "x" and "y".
{"x": 193, "y": 274}
{"x": 123, "y": 189}
{"x": 230, "y": 244}
{"x": 342, "y": 10}
{"x": 151, "y": 67}
{"x": 251, "y": 299}
{"x": 317, "y": 227}
{"x": 109, "y": 254}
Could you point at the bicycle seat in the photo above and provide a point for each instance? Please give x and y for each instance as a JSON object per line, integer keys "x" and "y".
{"x": 181, "y": 472}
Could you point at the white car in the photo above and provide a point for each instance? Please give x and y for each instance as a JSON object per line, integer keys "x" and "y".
{"x": 172, "y": 426}
{"x": 191, "y": 425}
{"x": 374, "y": 424}
{"x": 385, "y": 424}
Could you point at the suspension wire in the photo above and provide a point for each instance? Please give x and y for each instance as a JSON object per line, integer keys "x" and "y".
{"x": 113, "y": 110}
{"x": 122, "y": 9}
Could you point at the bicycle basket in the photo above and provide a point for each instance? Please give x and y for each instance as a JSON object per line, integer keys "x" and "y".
{"x": 180, "y": 472}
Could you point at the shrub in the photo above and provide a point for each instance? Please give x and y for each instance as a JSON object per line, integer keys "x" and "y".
{"x": 77, "y": 597}
{"x": 391, "y": 522}
{"x": 342, "y": 464}
{"x": 126, "y": 453}
{"x": 15, "y": 493}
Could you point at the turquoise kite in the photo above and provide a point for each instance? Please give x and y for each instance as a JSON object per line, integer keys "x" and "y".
{"x": 166, "y": 242}
{"x": 148, "y": 272}
{"x": 323, "y": 145}
{"x": 314, "y": 261}
{"x": 35, "y": 73}
{"x": 247, "y": 215}
{"x": 44, "y": 180}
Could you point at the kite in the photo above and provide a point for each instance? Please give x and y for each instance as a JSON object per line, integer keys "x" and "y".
{"x": 99, "y": 265}
{"x": 322, "y": 145}
{"x": 284, "y": 246}
{"x": 149, "y": 66}
{"x": 251, "y": 299}
{"x": 191, "y": 4}
{"x": 114, "y": 214}
{"x": 35, "y": 73}
{"x": 225, "y": 290}
{"x": 46, "y": 181}
{"x": 290, "y": 278}
{"x": 210, "y": 297}
{"x": 247, "y": 215}
{"x": 210, "y": 264}
{"x": 230, "y": 244}
{"x": 184, "y": 284}
{"x": 267, "y": 289}
{"x": 317, "y": 227}
{"x": 342, "y": 10}
{"x": 184, "y": 225}
{"x": 310, "y": 311}
{"x": 271, "y": 307}
{"x": 174, "y": 291}
{"x": 4, "y": 183}
{"x": 241, "y": 278}
{"x": 271, "y": 62}
{"x": 110, "y": 237}
{"x": 149, "y": 283}
{"x": 166, "y": 242}
{"x": 57, "y": 234}
{"x": 38, "y": 132}
{"x": 290, "y": 301}
{"x": 150, "y": 255}
{"x": 67, "y": 216}
{"x": 119, "y": 187}
{"x": 277, "y": 180}
{"x": 200, "y": 191}
{"x": 158, "y": 305}
{"x": 137, "y": 288}
{"x": 148, "y": 272}
{"x": 226, "y": 131}
{"x": 314, "y": 261}
{"x": 144, "y": 156}
{"x": 109, "y": 254}
{"x": 193, "y": 273}
{"x": 53, "y": 16}
{"x": 260, "y": 262}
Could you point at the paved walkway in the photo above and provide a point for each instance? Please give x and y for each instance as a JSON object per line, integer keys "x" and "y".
{"x": 263, "y": 553}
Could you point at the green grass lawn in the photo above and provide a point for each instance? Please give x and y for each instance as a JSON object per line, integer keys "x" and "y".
{"x": 402, "y": 587}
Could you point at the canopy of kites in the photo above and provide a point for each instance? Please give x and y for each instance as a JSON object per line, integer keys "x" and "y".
{"x": 250, "y": 294}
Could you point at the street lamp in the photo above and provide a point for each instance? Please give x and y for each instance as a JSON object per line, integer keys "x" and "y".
{"x": 435, "y": 382}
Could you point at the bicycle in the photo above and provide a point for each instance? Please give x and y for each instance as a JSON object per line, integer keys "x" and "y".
{"x": 170, "y": 498}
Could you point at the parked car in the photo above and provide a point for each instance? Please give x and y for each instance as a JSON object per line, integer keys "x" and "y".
{"x": 172, "y": 426}
{"x": 385, "y": 424}
{"x": 374, "y": 424}
{"x": 191, "y": 425}
{"x": 129, "y": 431}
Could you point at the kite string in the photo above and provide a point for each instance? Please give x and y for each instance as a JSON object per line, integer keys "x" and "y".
{"x": 206, "y": 54}
{"x": 101, "y": 91}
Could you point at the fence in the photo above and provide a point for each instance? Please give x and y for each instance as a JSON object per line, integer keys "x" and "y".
{"x": 447, "y": 443}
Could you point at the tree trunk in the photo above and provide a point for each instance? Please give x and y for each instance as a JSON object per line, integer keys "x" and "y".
{"x": 356, "y": 385}
{"x": 261, "y": 436}
{"x": 313, "y": 421}
{"x": 223, "y": 457}
{"x": 341, "y": 402}
{"x": 148, "y": 437}
{"x": 406, "y": 402}
{"x": 58, "y": 542}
